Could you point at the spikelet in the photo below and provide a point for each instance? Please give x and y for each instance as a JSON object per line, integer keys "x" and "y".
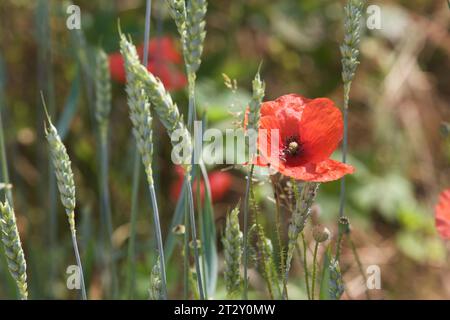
{"x": 178, "y": 13}
{"x": 255, "y": 102}
{"x": 195, "y": 33}
{"x": 160, "y": 100}
{"x": 350, "y": 47}
{"x": 155, "y": 290}
{"x": 63, "y": 171}
{"x": 336, "y": 285}
{"x": 13, "y": 248}
{"x": 141, "y": 119}
{"x": 254, "y": 114}
{"x": 232, "y": 243}
{"x": 302, "y": 211}
{"x": 102, "y": 89}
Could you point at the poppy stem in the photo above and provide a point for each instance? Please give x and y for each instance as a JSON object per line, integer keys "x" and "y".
{"x": 313, "y": 284}
{"x": 245, "y": 246}
{"x": 305, "y": 264}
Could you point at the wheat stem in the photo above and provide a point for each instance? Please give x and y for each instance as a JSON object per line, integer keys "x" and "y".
{"x": 131, "y": 275}
{"x": 194, "y": 239}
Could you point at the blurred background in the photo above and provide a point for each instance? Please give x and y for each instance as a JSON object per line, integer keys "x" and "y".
{"x": 399, "y": 99}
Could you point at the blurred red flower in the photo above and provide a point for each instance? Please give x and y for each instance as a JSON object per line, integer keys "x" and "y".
{"x": 309, "y": 130}
{"x": 163, "y": 59}
{"x": 442, "y": 218}
{"x": 219, "y": 181}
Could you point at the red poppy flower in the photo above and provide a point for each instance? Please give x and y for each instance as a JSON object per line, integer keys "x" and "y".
{"x": 442, "y": 219}
{"x": 299, "y": 137}
{"x": 162, "y": 61}
{"x": 219, "y": 181}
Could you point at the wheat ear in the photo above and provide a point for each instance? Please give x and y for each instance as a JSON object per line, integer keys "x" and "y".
{"x": 160, "y": 100}
{"x": 102, "y": 90}
{"x": 141, "y": 119}
{"x": 66, "y": 185}
{"x": 13, "y": 248}
{"x": 232, "y": 247}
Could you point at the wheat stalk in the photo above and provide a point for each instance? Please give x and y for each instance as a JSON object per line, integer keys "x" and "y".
{"x": 255, "y": 104}
{"x": 13, "y": 248}
{"x": 66, "y": 184}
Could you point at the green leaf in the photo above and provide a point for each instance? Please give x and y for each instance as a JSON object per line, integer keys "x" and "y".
{"x": 209, "y": 237}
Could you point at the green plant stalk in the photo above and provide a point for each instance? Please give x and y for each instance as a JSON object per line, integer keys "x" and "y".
{"x": 105, "y": 199}
{"x": 305, "y": 265}
{"x": 313, "y": 284}
{"x": 245, "y": 244}
{"x": 186, "y": 264}
{"x": 159, "y": 241}
{"x": 202, "y": 237}
{"x": 350, "y": 53}
{"x": 80, "y": 267}
{"x": 194, "y": 239}
{"x": 4, "y": 160}
{"x": 131, "y": 274}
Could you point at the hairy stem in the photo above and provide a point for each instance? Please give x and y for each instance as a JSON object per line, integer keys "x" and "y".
{"x": 313, "y": 284}
{"x": 305, "y": 265}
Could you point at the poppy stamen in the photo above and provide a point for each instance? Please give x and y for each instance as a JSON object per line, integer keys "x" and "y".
{"x": 292, "y": 147}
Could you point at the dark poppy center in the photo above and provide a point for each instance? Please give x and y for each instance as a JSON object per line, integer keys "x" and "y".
{"x": 292, "y": 148}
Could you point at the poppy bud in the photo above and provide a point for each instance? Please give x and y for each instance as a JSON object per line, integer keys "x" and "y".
{"x": 321, "y": 233}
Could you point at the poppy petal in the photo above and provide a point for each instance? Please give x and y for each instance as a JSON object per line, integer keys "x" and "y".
{"x": 321, "y": 129}
{"x": 269, "y": 148}
{"x": 442, "y": 219}
{"x": 294, "y": 101}
{"x": 324, "y": 171}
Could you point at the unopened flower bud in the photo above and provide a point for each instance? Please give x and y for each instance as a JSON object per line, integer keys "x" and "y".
{"x": 321, "y": 233}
